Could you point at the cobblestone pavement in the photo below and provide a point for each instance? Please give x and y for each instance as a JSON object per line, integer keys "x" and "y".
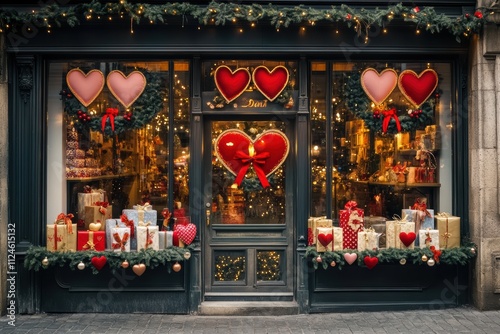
{"x": 456, "y": 320}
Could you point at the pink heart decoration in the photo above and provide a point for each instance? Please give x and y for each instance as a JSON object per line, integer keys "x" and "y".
{"x": 270, "y": 83}
{"x": 99, "y": 262}
{"x": 350, "y": 257}
{"x": 417, "y": 87}
{"x": 85, "y": 87}
{"x": 187, "y": 233}
{"x": 377, "y": 86}
{"x": 370, "y": 262}
{"x": 325, "y": 239}
{"x": 126, "y": 89}
{"x": 231, "y": 84}
{"x": 407, "y": 238}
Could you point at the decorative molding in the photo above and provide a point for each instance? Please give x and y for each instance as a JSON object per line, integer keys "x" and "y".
{"x": 25, "y": 77}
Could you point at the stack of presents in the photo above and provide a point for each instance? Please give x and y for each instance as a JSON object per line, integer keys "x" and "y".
{"x": 417, "y": 226}
{"x": 135, "y": 229}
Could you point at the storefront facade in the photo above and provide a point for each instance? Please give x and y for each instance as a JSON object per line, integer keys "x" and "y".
{"x": 204, "y": 87}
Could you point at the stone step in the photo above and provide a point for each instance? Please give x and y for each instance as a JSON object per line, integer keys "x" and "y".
{"x": 249, "y": 308}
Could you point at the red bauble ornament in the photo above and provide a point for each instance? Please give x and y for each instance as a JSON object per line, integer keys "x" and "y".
{"x": 348, "y": 16}
{"x": 478, "y": 14}
{"x": 416, "y": 10}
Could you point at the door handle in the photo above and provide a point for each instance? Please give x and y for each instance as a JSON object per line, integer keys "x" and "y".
{"x": 207, "y": 216}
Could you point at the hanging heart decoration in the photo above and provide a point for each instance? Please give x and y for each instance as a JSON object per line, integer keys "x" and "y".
{"x": 126, "y": 89}
{"x": 99, "y": 262}
{"x": 370, "y": 262}
{"x": 270, "y": 83}
{"x": 231, "y": 84}
{"x": 139, "y": 269}
{"x": 350, "y": 257}
{"x": 417, "y": 88}
{"x": 186, "y": 233}
{"x": 407, "y": 238}
{"x": 379, "y": 86}
{"x": 85, "y": 87}
{"x": 237, "y": 152}
{"x": 325, "y": 239}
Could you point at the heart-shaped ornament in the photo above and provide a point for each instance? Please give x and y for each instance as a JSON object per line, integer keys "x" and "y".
{"x": 139, "y": 269}
{"x": 99, "y": 261}
{"x": 350, "y": 257}
{"x": 234, "y": 147}
{"x": 95, "y": 226}
{"x": 85, "y": 87}
{"x": 231, "y": 84}
{"x": 378, "y": 86}
{"x": 370, "y": 262}
{"x": 325, "y": 239}
{"x": 270, "y": 83}
{"x": 417, "y": 88}
{"x": 186, "y": 233}
{"x": 126, "y": 89}
{"x": 407, "y": 238}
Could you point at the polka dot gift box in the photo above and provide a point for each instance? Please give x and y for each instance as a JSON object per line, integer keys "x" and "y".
{"x": 351, "y": 221}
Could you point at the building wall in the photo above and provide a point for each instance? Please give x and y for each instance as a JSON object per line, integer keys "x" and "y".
{"x": 484, "y": 166}
{"x": 3, "y": 175}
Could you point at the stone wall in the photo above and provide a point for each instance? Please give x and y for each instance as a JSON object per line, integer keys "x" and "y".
{"x": 3, "y": 175}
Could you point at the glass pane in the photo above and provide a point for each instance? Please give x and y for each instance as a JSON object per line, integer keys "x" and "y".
{"x": 269, "y": 265}
{"x": 229, "y": 266}
{"x": 249, "y": 203}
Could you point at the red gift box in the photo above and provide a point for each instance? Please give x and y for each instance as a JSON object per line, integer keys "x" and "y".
{"x": 351, "y": 221}
{"x": 91, "y": 240}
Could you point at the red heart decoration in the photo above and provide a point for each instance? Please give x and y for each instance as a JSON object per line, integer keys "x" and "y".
{"x": 230, "y": 142}
{"x": 370, "y": 262}
{"x": 407, "y": 238}
{"x": 272, "y": 83}
{"x": 99, "y": 262}
{"x": 187, "y": 233}
{"x": 417, "y": 87}
{"x": 85, "y": 87}
{"x": 126, "y": 89}
{"x": 325, "y": 239}
{"x": 231, "y": 84}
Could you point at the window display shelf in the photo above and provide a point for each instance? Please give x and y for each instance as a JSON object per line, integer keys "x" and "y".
{"x": 102, "y": 177}
{"x": 400, "y": 184}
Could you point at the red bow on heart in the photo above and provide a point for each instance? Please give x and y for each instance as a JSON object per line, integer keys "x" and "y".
{"x": 388, "y": 115}
{"x": 128, "y": 223}
{"x": 110, "y": 113}
{"x": 257, "y": 162}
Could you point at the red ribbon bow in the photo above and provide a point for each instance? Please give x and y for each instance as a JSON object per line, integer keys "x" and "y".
{"x": 257, "y": 161}
{"x": 103, "y": 204}
{"x": 350, "y": 205}
{"x": 388, "y": 114}
{"x": 66, "y": 219}
{"x": 120, "y": 242}
{"x": 128, "y": 223}
{"x": 110, "y": 113}
{"x": 87, "y": 189}
{"x": 421, "y": 206}
{"x": 436, "y": 252}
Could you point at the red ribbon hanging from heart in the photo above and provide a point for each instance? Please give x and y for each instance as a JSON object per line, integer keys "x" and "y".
{"x": 257, "y": 162}
{"x": 388, "y": 115}
{"x": 110, "y": 113}
{"x": 128, "y": 223}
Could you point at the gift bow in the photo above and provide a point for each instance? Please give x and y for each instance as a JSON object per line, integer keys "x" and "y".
{"x": 421, "y": 206}
{"x": 120, "y": 242}
{"x": 90, "y": 243}
{"x": 399, "y": 219}
{"x": 257, "y": 161}
{"x": 436, "y": 253}
{"x": 428, "y": 238}
{"x": 110, "y": 113}
{"x": 128, "y": 223}
{"x": 66, "y": 219}
{"x": 145, "y": 207}
{"x": 388, "y": 115}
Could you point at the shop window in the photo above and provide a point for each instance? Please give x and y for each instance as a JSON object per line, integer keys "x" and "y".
{"x": 358, "y": 151}
{"x": 122, "y": 130}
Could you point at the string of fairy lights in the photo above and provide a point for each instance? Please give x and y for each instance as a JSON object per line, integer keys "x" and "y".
{"x": 232, "y": 268}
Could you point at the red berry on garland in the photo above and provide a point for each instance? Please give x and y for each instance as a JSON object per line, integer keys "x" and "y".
{"x": 467, "y": 15}
{"x": 478, "y": 14}
{"x": 80, "y": 116}
{"x": 416, "y": 10}
{"x": 348, "y": 16}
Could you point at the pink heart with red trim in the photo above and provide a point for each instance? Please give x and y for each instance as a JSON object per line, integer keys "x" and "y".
{"x": 378, "y": 86}
{"x": 231, "y": 84}
{"x": 270, "y": 83}
{"x": 85, "y": 87}
{"x": 126, "y": 89}
{"x": 186, "y": 233}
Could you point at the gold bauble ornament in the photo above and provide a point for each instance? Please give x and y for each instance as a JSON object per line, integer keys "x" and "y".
{"x": 424, "y": 258}
{"x": 187, "y": 255}
{"x": 333, "y": 264}
{"x": 431, "y": 262}
{"x": 81, "y": 266}
{"x": 402, "y": 261}
{"x": 177, "y": 267}
{"x": 125, "y": 264}
{"x": 319, "y": 259}
{"x": 45, "y": 262}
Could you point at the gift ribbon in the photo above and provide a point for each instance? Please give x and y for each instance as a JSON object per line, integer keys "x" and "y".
{"x": 436, "y": 253}
{"x": 166, "y": 215}
{"x": 388, "y": 115}
{"x": 446, "y": 234}
{"x": 90, "y": 242}
{"x": 140, "y": 210}
{"x": 428, "y": 238}
{"x": 120, "y": 242}
{"x": 110, "y": 113}
{"x": 66, "y": 219}
{"x": 56, "y": 238}
{"x": 128, "y": 223}
{"x": 257, "y": 161}
{"x": 149, "y": 240}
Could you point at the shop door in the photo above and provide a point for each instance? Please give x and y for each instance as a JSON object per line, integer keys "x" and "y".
{"x": 248, "y": 230}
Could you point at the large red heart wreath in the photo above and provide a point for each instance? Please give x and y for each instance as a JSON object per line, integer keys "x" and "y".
{"x": 270, "y": 83}
{"x": 237, "y": 152}
{"x": 231, "y": 84}
{"x": 417, "y": 88}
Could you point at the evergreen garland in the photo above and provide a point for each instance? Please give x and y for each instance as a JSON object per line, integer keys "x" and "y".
{"x": 220, "y": 13}
{"x": 144, "y": 109}
{"x": 151, "y": 258}
{"x": 452, "y": 256}
{"x": 360, "y": 105}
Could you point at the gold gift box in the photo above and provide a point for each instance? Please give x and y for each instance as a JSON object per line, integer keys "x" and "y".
{"x": 449, "y": 230}
{"x": 60, "y": 239}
